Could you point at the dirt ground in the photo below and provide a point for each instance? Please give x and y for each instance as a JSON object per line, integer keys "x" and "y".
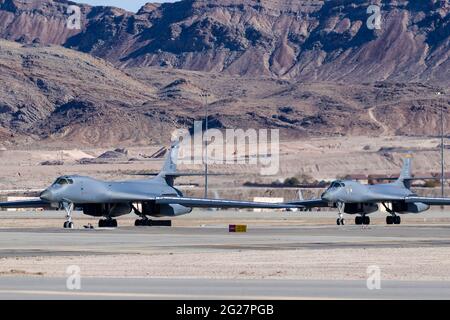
{"x": 336, "y": 264}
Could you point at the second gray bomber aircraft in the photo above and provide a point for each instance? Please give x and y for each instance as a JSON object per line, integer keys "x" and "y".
{"x": 157, "y": 197}
{"x": 352, "y": 197}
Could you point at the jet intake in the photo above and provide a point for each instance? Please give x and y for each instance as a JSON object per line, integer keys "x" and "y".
{"x": 107, "y": 209}
{"x": 358, "y": 208}
{"x": 416, "y": 207}
{"x": 164, "y": 210}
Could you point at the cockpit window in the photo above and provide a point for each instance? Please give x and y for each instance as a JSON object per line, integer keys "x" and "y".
{"x": 336, "y": 185}
{"x": 63, "y": 181}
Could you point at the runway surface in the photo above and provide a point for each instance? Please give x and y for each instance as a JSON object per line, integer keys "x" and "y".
{"x": 54, "y": 241}
{"x": 205, "y": 239}
{"x": 194, "y": 289}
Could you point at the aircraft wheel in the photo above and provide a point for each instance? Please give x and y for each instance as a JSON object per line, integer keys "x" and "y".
{"x": 397, "y": 220}
{"x": 143, "y": 223}
{"x": 340, "y": 222}
{"x": 358, "y": 220}
{"x": 108, "y": 223}
{"x": 366, "y": 220}
{"x": 68, "y": 225}
{"x": 389, "y": 220}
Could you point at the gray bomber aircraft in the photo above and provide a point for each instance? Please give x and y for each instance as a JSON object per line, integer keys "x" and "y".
{"x": 157, "y": 197}
{"x": 354, "y": 198}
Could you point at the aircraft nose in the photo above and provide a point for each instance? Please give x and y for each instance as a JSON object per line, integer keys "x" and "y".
{"x": 327, "y": 196}
{"x": 46, "y": 195}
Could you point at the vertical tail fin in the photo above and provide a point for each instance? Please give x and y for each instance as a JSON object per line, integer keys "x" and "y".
{"x": 406, "y": 173}
{"x": 169, "y": 169}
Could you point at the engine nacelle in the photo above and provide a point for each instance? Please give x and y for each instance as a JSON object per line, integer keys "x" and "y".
{"x": 107, "y": 209}
{"x": 164, "y": 210}
{"x": 403, "y": 207}
{"x": 359, "y": 208}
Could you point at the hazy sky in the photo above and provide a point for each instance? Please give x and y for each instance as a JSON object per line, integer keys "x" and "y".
{"x": 131, "y": 5}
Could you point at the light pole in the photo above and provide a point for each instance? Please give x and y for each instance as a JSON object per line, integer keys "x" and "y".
{"x": 205, "y": 95}
{"x": 442, "y": 150}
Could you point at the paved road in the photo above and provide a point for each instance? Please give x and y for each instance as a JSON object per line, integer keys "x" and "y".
{"x": 192, "y": 289}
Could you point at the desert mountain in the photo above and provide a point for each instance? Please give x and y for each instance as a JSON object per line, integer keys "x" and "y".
{"x": 306, "y": 68}
{"x": 58, "y": 96}
{"x": 291, "y": 39}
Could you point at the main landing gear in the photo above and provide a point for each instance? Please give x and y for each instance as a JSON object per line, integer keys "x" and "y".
{"x": 362, "y": 220}
{"x": 341, "y": 221}
{"x": 146, "y": 222}
{"x": 107, "y": 223}
{"x": 143, "y": 222}
{"x": 68, "y": 207}
{"x": 393, "y": 218}
{"x": 154, "y": 223}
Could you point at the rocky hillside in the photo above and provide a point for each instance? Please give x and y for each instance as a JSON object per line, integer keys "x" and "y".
{"x": 309, "y": 68}
{"x": 290, "y": 39}
{"x": 55, "y": 95}
{"x": 45, "y": 91}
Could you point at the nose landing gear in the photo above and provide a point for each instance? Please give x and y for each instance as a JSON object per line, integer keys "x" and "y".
{"x": 341, "y": 207}
{"x": 68, "y": 207}
{"x": 68, "y": 225}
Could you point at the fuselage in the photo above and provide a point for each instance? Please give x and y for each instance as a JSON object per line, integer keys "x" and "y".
{"x": 114, "y": 198}
{"x": 368, "y": 196}
{"x": 85, "y": 190}
{"x": 355, "y": 192}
